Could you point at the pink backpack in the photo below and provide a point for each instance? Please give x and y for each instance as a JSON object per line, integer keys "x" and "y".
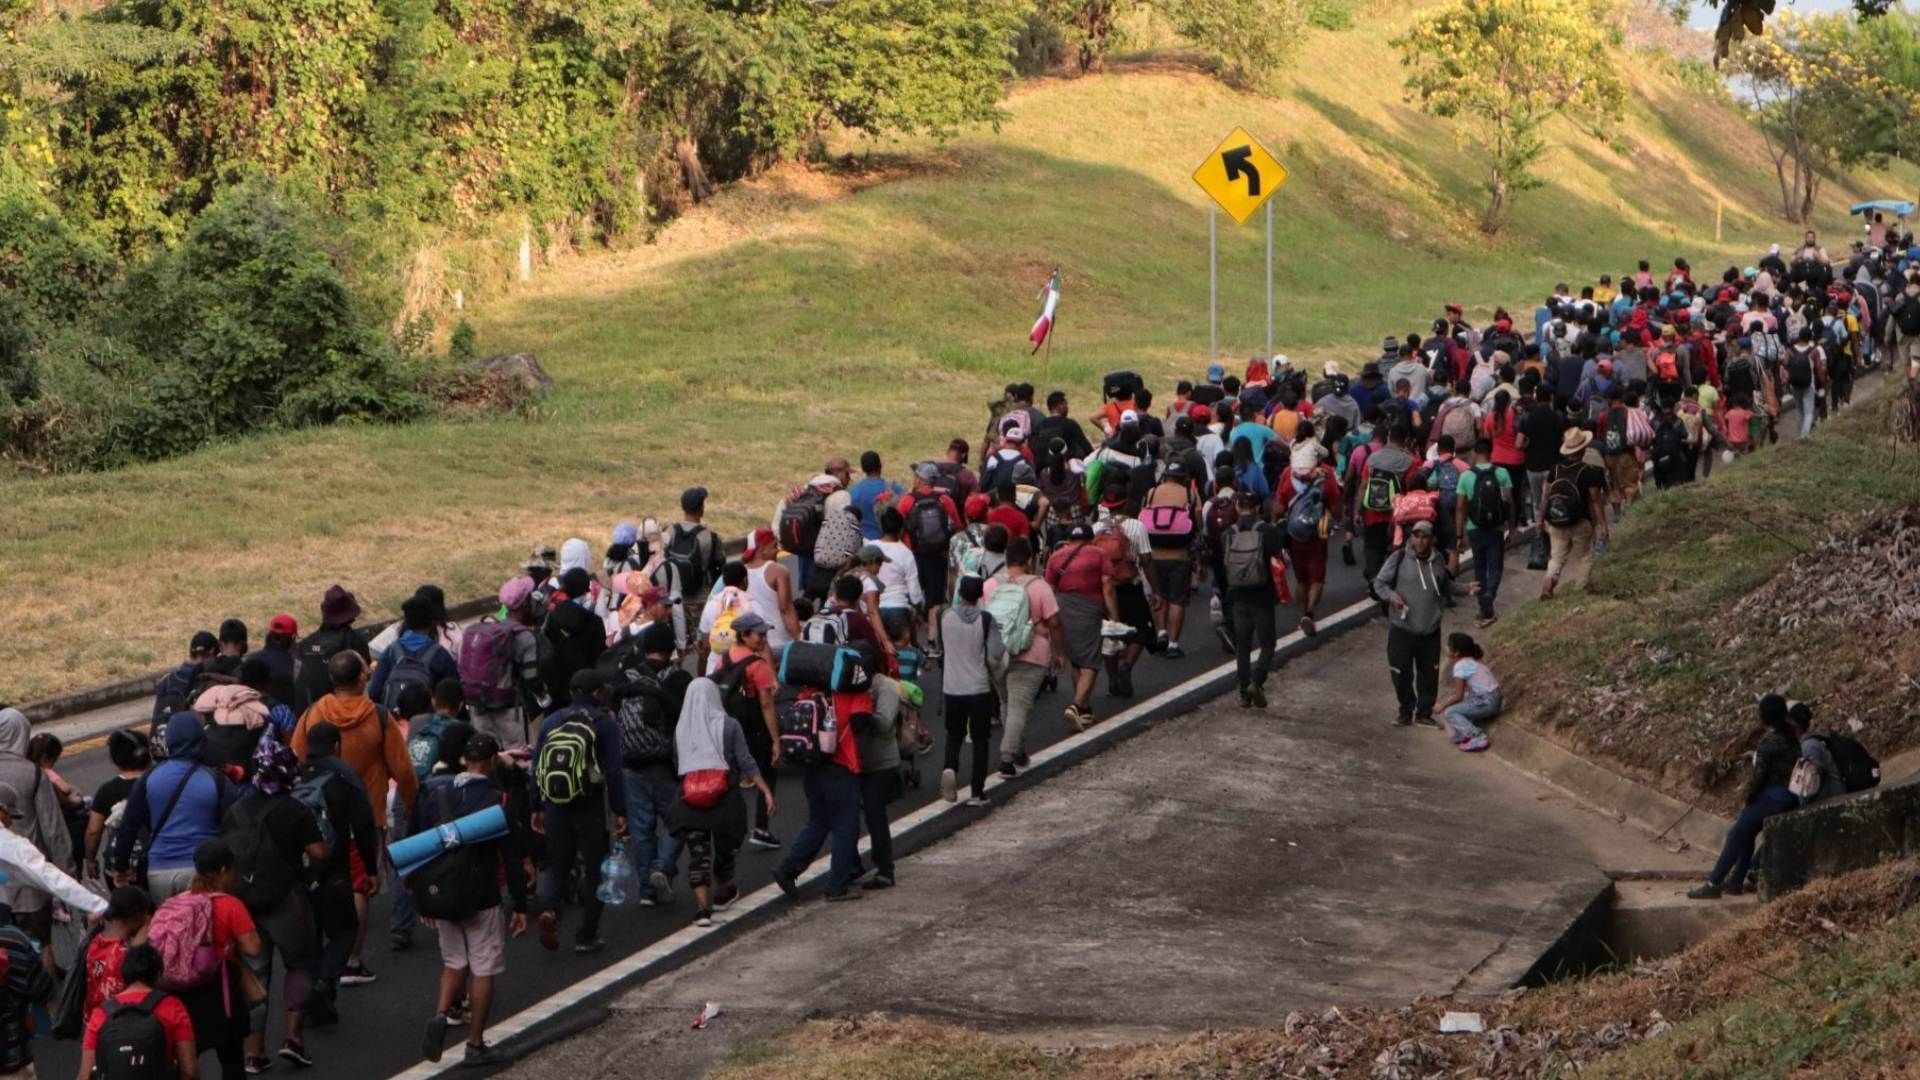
{"x": 486, "y": 664}
{"x": 182, "y": 932}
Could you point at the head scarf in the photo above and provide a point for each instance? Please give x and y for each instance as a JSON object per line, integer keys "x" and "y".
{"x": 700, "y": 738}
{"x": 274, "y": 766}
{"x": 573, "y": 553}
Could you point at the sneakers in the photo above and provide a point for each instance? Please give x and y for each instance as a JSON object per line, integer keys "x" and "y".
{"x": 1307, "y": 626}
{"x": 1080, "y": 718}
{"x": 1734, "y": 888}
{"x": 1473, "y": 745}
{"x": 949, "y": 785}
{"x": 1403, "y": 721}
{"x": 356, "y": 975}
{"x": 591, "y": 945}
{"x": 296, "y": 1051}
{"x": 258, "y": 1065}
{"x": 1020, "y": 758}
{"x": 1426, "y": 721}
{"x": 662, "y": 887}
{"x": 1704, "y": 891}
{"x": 978, "y": 800}
{"x": 724, "y": 898}
{"x": 480, "y": 1055}
{"x": 703, "y": 918}
{"x": 1246, "y": 697}
{"x": 850, "y": 894}
{"x": 435, "y": 1041}
{"x": 786, "y": 883}
{"x": 1259, "y": 698}
{"x": 878, "y": 881}
{"x": 761, "y": 838}
{"x": 457, "y": 1016}
{"x": 549, "y": 931}
{"x": 1007, "y": 771}
{"x": 1174, "y": 651}
{"x": 932, "y": 653}
{"x": 400, "y": 940}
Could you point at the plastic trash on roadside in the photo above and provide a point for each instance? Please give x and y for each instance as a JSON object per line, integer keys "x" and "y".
{"x": 616, "y": 876}
{"x": 706, "y": 1016}
{"x": 1468, "y": 1022}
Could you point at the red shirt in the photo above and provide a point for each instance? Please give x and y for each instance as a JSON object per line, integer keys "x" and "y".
{"x": 758, "y": 678}
{"x": 846, "y": 705}
{"x": 104, "y": 955}
{"x": 170, "y": 1012}
{"x": 1502, "y": 429}
{"x": 1012, "y": 519}
{"x": 946, "y": 503}
{"x": 1081, "y": 568}
{"x": 1291, "y": 487}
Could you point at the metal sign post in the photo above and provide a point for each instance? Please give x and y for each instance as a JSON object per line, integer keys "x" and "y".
{"x": 1213, "y": 284}
{"x": 1269, "y": 281}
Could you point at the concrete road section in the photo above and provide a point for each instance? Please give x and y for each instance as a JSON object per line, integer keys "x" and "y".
{"x": 1220, "y": 870}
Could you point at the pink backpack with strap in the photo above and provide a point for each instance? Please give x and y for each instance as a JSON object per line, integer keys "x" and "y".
{"x": 182, "y": 932}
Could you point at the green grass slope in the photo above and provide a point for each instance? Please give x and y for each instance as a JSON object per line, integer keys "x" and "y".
{"x": 876, "y": 303}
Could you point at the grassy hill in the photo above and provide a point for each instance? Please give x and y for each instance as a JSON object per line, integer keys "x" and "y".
{"x": 879, "y": 301}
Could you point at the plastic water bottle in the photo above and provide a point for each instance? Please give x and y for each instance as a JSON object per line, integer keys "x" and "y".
{"x": 616, "y": 876}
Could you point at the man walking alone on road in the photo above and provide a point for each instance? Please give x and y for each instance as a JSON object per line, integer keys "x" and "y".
{"x": 1414, "y": 583}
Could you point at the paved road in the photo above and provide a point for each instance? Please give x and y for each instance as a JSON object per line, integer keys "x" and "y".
{"x": 380, "y": 1032}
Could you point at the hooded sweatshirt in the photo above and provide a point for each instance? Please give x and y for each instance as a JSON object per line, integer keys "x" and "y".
{"x": 1422, "y": 583}
{"x": 233, "y": 704}
{"x": 195, "y": 816}
{"x": 47, "y": 826}
{"x": 370, "y": 744}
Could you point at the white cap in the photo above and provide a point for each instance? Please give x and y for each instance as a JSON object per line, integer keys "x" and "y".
{"x": 1281, "y": 360}
{"x": 1332, "y": 369}
{"x": 1128, "y": 416}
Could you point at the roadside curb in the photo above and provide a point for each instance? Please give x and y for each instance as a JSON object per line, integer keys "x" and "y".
{"x": 1608, "y": 791}
{"x": 534, "y": 1026}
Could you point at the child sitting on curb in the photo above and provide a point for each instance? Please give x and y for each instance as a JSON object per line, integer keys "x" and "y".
{"x": 1475, "y": 696}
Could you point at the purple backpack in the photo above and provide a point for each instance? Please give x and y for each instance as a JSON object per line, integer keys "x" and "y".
{"x": 486, "y": 664}
{"x": 182, "y": 932}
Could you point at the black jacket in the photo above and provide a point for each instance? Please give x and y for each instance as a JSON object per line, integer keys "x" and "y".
{"x": 1772, "y": 764}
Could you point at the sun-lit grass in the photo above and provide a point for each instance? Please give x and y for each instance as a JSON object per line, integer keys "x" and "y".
{"x": 878, "y": 303}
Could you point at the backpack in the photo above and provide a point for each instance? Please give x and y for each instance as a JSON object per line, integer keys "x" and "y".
{"x": 1169, "y": 526}
{"x": 825, "y": 627}
{"x": 1739, "y": 378}
{"x": 1456, "y": 419}
{"x": 722, "y": 637}
{"x": 406, "y": 669}
{"x": 1487, "y": 508}
{"x": 182, "y": 932}
{"x": 684, "y": 552}
{"x": 646, "y": 731}
{"x": 1444, "y": 477}
{"x": 1666, "y": 367}
{"x": 1670, "y": 443}
{"x": 1126, "y": 569}
{"x": 1246, "y": 559}
{"x": 1380, "y": 492}
{"x": 1009, "y": 610}
{"x": 1906, "y": 315}
{"x": 1639, "y": 429}
{"x": 567, "y": 766}
{"x": 423, "y": 743}
{"x": 1804, "y": 781}
{"x": 132, "y": 1043}
{"x": 801, "y": 520}
{"x": 1307, "y": 514}
{"x": 171, "y": 695}
{"x": 1221, "y": 513}
{"x": 261, "y": 876}
{"x": 1800, "y": 368}
{"x": 486, "y": 664}
{"x": 808, "y": 732}
{"x": 453, "y": 884}
{"x": 311, "y": 792}
{"x": 1858, "y": 769}
{"x": 1564, "y": 505}
{"x": 311, "y": 681}
{"x": 1614, "y": 439}
{"x": 929, "y": 525}
{"x": 1416, "y": 506}
{"x": 1766, "y": 347}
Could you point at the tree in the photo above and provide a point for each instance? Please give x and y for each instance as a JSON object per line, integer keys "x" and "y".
{"x": 1820, "y": 101}
{"x": 1249, "y": 39}
{"x": 1503, "y": 68}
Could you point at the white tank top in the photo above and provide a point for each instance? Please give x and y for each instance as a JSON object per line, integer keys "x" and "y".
{"x": 767, "y": 602}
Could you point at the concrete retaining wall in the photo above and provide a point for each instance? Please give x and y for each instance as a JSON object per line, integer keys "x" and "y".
{"x": 1837, "y": 837}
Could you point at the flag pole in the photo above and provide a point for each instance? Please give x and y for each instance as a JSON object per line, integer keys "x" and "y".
{"x": 1046, "y": 364}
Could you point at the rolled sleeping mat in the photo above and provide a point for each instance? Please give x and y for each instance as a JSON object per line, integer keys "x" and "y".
{"x": 423, "y": 847}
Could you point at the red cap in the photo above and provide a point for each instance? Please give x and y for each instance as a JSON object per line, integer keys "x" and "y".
{"x": 283, "y": 624}
{"x": 977, "y": 504}
{"x": 759, "y": 539}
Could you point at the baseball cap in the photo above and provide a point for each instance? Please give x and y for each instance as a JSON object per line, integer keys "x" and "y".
{"x": 693, "y": 500}
{"x": 283, "y": 624}
{"x": 1216, "y": 372}
{"x": 203, "y": 641}
{"x": 1280, "y": 360}
{"x": 925, "y": 471}
{"x": 758, "y": 540}
{"x": 977, "y": 505}
{"x": 1423, "y": 528}
{"x": 1013, "y": 434}
{"x": 1128, "y": 416}
{"x": 868, "y": 553}
{"x": 592, "y": 680}
{"x": 481, "y": 746}
{"x": 748, "y": 622}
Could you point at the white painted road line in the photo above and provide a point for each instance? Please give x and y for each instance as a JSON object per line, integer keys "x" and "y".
{"x": 669, "y": 951}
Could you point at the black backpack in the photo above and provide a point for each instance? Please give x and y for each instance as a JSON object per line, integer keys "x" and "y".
{"x": 929, "y": 526}
{"x": 406, "y": 669}
{"x": 1670, "y": 443}
{"x": 262, "y": 876}
{"x": 132, "y": 1043}
{"x": 640, "y": 709}
{"x": 800, "y": 521}
{"x": 1800, "y": 368}
{"x": 684, "y": 552}
{"x": 1906, "y": 315}
{"x": 1859, "y": 770}
{"x": 456, "y": 883}
{"x": 311, "y": 681}
{"x": 1565, "y": 506}
{"x": 1739, "y": 379}
{"x": 1488, "y": 507}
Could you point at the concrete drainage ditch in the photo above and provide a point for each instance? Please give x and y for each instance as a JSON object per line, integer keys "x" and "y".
{"x": 1633, "y": 918}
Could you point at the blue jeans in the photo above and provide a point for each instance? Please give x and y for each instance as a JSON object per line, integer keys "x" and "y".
{"x": 1489, "y": 564}
{"x": 650, "y": 797}
{"x": 402, "y": 914}
{"x": 833, "y": 813}
{"x": 1463, "y": 716}
{"x": 1737, "y": 852}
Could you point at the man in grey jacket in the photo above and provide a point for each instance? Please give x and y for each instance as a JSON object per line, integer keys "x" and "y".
{"x": 1413, "y": 582}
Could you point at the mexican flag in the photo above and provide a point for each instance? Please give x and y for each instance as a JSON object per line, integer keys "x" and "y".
{"x": 1050, "y": 299}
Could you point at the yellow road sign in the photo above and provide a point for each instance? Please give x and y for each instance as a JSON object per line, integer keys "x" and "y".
{"x": 1240, "y": 175}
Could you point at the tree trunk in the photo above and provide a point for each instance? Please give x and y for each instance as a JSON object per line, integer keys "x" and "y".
{"x": 1095, "y": 21}
{"x": 1807, "y": 201}
{"x": 1496, "y": 205}
{"x": 692, "y": 172}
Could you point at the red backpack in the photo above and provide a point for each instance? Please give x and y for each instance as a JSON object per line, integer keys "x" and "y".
{"x": 182, "y": 932}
